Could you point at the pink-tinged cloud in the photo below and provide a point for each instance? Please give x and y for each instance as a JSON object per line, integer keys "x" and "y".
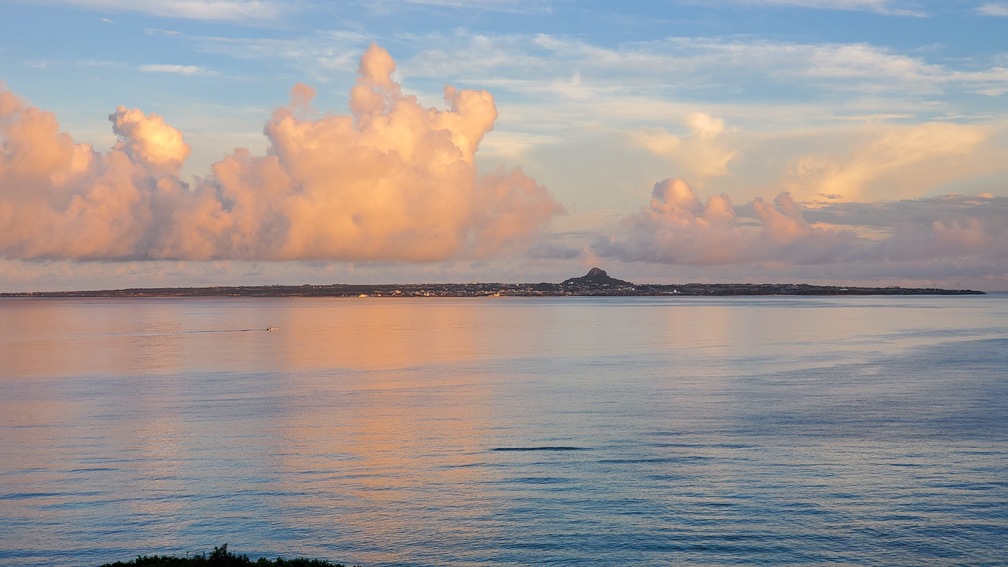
{"x": 149, "y": 141}
{"x": 895, "y": 162}
{"x": 966, "y": 230}
{"x": 62, "y": 199}
{"x": 956, "y": 235}
{"x": 705, "y": 153}
{"x": 677, "y": 228}
{"x": 391, "y": 181}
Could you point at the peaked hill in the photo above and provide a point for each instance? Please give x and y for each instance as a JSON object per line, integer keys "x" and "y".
{"x": 595, "y": 276}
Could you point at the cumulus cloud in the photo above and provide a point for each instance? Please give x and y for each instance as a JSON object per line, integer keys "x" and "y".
{"x": 148, "y": 140}
{"x": 950, "y": 234}
{"x": 677, "y": 228}
{"x": 390, "y": 181}
{"x": 62, "y": 199}
{"x": 704, "y": 153}
{"x": 951, "y": 227}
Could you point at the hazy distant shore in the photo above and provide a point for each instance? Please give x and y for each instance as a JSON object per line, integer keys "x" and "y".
{"x": 499, "y": 290}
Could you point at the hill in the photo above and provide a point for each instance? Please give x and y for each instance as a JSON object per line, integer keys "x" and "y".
{"x": 594, "y": 277}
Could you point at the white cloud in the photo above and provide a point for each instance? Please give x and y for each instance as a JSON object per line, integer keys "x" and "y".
{"x": 38, "y": 63}
{"x": 508, "y": 6}
{"x": 886, "y": 7}
{"x": 207, "y": 10}
{"x": 320, "y": 56}
{"x": 186, "y": 70}
{"x": 993, "y": 9}
{"x": 156, "y": 31}
{"x": 700, "y": 69}
{"x": 585, "y": 83}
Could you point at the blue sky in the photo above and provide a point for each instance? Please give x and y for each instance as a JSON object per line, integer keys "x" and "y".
{"x": 851, "y": 141}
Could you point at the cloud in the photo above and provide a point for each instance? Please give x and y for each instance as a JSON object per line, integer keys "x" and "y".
{"x": 962, "y": 228}
{"x": 156, "y": 31}
{"x": 509, "y": 6}
{"x": 149, "y": 141}
{"x": 697, "y": 67}
{"x": 993, "y": 9}
{"x": 556, "y": 83}
{"x": 207, "y": 10}
{"x": 186, "y": 70}
{"x": 391, "y": 181}
{"x": 704, "y": 153}
{"x": 892, "y": 162}
{"x": 886, "y": 7}
{"x": 677, "y": 228}
{"x": 62, "y": 199}
{"x": 319, "y": 55}
{"x": 950, "y": 235}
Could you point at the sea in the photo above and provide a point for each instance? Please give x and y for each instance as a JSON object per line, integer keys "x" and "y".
{"x": 506, "y": 431}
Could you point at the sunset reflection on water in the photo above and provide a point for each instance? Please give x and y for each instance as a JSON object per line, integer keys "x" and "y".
{"x": 434, "y": 431}
{"x": 386, "y": 432}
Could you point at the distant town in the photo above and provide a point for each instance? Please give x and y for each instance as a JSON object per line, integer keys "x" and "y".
{"x": 595, "y": 283}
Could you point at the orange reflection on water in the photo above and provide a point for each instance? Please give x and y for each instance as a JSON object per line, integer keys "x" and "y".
{"x": 390, "y": 419}
{"x": 371, "y": 333}
{"x": 73, "y": 337}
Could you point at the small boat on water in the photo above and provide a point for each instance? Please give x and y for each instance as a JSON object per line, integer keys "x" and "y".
{"x": 271, "y": 328}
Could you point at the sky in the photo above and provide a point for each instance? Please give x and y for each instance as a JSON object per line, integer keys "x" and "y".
{"x": 234, "y": 142}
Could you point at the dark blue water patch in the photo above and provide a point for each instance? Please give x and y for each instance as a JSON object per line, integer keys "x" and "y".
{"x": 705, "y": 445}
{"x": 716, "y": 550}
{"x": 952, "y": 391}
{"x": 472, "y": 465}
{"x": 663, "y": 433}
{"x": 971, "y": 486}
{"x": 246, "y": 493}
{"x": 32, "y": 426}
{"x": 981, "y": 452}
{"x": 84, "y": 500}
{"x": 802, "y": 508}
{"x": 666, "y": 477}
{"x": 932, "y": 542}
{"x": 69, "y": 555}
{"x": 539, "y": 480}
{"x": 29, "y": 495}
{"x": 546, "y": 448}
{"x": 677, "y": 459}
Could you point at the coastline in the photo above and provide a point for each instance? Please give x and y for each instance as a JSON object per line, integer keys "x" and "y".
{"x": 569, "y": 288}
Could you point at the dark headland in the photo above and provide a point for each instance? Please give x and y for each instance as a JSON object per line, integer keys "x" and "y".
{"x": 595, "y": 283}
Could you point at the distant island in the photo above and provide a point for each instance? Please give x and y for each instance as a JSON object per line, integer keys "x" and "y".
{"x": 595, "y": 283}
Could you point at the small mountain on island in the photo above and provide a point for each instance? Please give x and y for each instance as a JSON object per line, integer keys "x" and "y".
{"x": 595, "y": 276}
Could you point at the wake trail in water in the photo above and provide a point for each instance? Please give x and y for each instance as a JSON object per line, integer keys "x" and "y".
{"x": 544, "y": 448}
{"x": 202, "y": 331}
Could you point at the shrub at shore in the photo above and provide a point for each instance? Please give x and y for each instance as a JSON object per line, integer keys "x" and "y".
{"x": 220, "y": 557}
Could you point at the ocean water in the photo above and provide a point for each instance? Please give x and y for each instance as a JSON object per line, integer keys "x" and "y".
{"x": 568, "y": 431}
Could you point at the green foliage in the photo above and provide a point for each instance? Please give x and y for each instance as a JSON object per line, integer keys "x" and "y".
{"x": 220, "y": 557}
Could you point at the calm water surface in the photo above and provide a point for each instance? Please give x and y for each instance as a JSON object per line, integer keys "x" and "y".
{"x": 508, "y": 431}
